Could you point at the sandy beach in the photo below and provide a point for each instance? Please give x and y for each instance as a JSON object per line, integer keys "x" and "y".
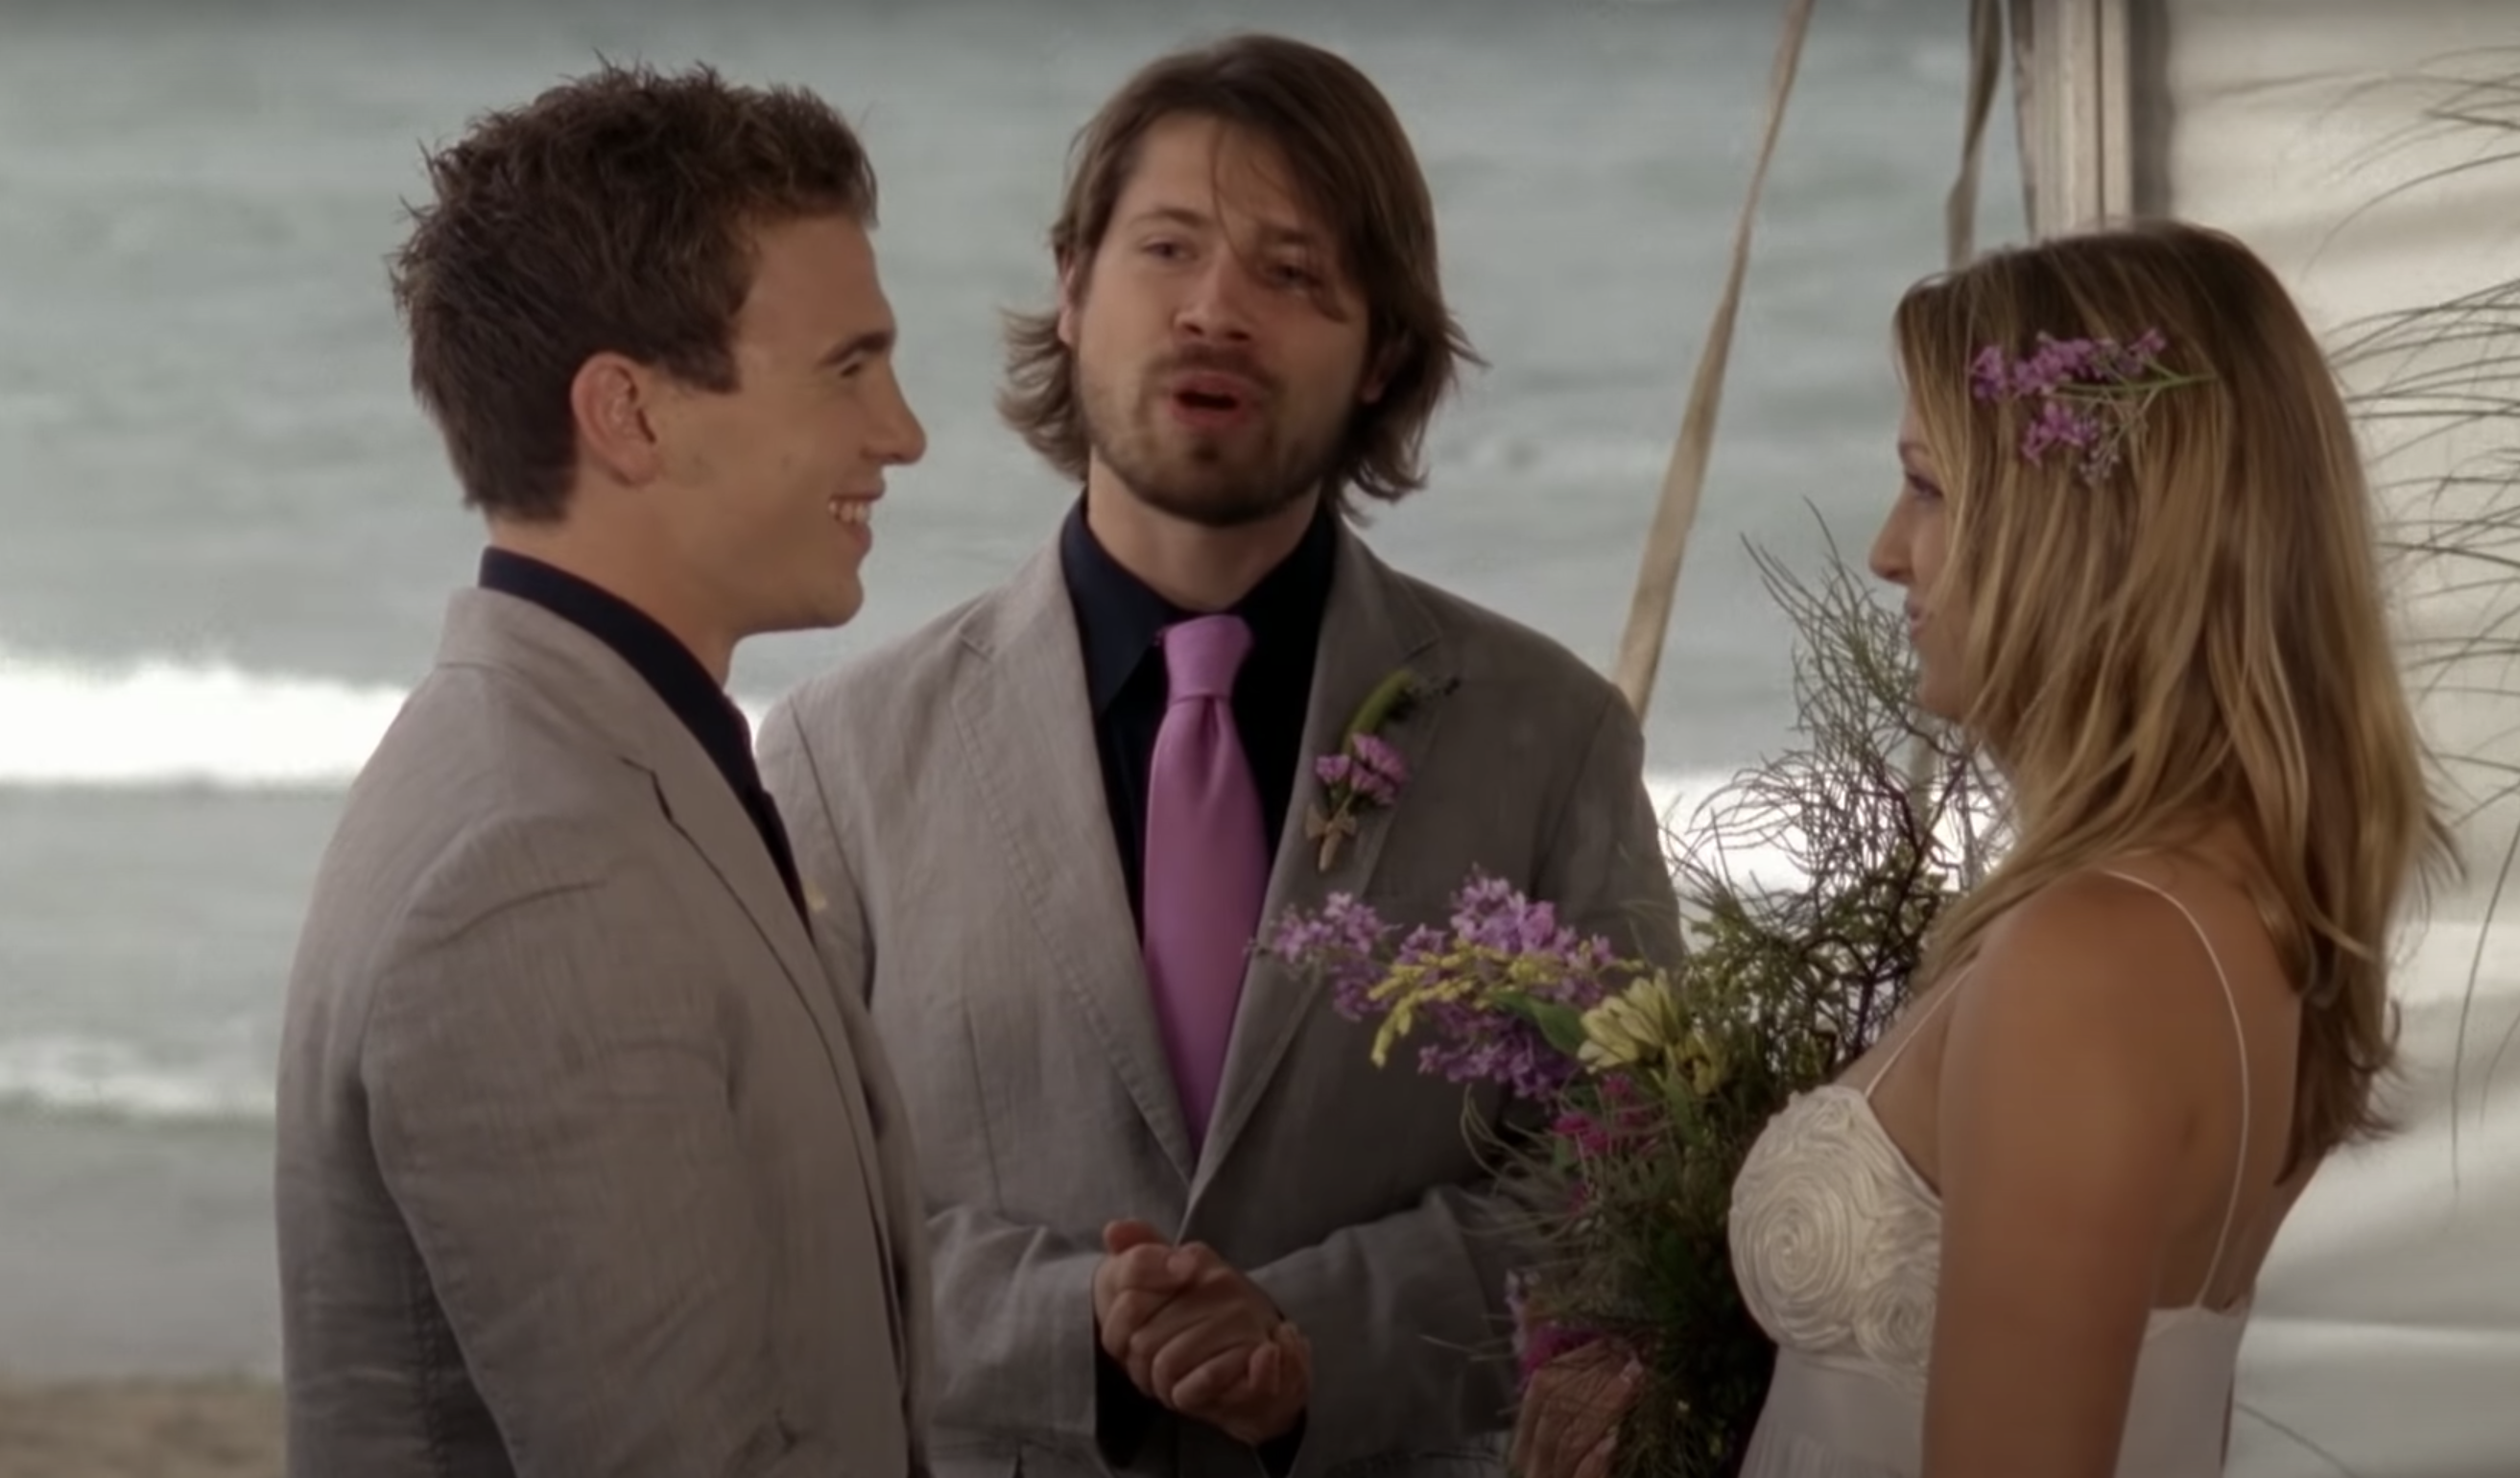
{"x": 140, "y": 1428}
{"x": 139, "y": 1329}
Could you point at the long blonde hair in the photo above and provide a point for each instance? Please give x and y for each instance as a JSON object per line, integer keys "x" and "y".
{"x": 2196, "y": 637}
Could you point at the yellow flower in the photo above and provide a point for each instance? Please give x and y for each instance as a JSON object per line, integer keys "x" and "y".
{"x": 1635, "y": 1027}
{"x": 1703, "y": 1062}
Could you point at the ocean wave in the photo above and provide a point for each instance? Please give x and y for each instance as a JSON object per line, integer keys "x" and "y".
{"x": 160, "y": 722}
{"x": 94, "y": 1078}
{"x": 163, "y": 723}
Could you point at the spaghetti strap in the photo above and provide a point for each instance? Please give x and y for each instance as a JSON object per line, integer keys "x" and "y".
{"x": 2240, "y": 1041}
{"x": 1914, "y": 1030}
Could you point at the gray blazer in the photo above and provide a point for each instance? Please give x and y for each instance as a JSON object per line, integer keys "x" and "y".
{"x": 584, "y": 1169}
{"x": 946, "y": 796}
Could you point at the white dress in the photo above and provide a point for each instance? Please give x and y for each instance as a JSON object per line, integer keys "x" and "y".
{"x": 1836, "y": 1243}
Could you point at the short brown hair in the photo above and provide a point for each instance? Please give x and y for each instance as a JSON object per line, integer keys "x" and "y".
{"x": 1353, "y": 167}
{"x": 612, "y": 213}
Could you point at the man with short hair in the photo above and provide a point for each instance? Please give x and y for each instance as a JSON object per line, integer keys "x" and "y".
{"x": 1183, "y": 1225}
{"x": 587, "y": 1167}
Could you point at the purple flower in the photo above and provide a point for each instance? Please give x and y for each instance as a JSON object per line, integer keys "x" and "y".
{"x": 1987, "y": 378}
{"x": 2060, "y": 362}
{"x": 2059, "y": 424}
{"x": 1471, "y": 1034}
{"x": 1475, "y": 1046}
{"x": 2088, "y": 391}
{"x": 1489, "y": 913}
{"x": 1587, "y": 1134}
{"x": 1624, "y": 1115}
{"x": 1341, "y": 943}
{"x": 1378, "y": 771}
{"x": 1535, "y": 1341}
{"x": 1369, "y": 769}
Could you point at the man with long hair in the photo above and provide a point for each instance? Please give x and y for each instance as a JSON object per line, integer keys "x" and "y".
{"x": 1179, "y": 1221}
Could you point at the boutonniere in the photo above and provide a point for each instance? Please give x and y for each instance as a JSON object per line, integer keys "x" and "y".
{"x": 1366, "y": 773}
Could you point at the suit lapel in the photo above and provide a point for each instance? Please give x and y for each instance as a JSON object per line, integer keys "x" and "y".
{"x": 623, "y": 715}
{"x": 696, "y": 800}
{"x": 699, "y": 804}
{"x": 1027, "y": 727}
{"x": 1372, "y": 626}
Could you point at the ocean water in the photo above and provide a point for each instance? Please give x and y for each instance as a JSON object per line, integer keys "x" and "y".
{"x": 228, "y": 533}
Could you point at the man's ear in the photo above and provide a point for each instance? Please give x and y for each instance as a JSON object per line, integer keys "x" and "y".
{"x": 614, "y": 400}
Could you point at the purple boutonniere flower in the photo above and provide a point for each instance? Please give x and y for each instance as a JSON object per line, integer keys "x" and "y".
{"x": 1368, "y": 766}
{"x": 1365, "y": 773}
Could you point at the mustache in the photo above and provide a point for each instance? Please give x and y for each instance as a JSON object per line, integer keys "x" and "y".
{"x": 1210, "y": 359}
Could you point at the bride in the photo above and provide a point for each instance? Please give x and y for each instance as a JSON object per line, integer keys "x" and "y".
{"x": 2020, "y": 1236}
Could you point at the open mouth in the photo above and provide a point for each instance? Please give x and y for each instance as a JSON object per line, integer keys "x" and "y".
{"x": 1209, "y": 397}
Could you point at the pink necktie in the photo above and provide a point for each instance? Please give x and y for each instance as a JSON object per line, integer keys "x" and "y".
{"x": 1207, "y": 862}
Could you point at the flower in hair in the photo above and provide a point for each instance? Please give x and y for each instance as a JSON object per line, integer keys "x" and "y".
{"x": 2089, "y": 393}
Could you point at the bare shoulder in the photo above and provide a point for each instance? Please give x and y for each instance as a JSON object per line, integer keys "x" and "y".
{"x": 2101, "y": 945}
{"x": 2075, "y": 1063}
{"x": 2095, "y": 981}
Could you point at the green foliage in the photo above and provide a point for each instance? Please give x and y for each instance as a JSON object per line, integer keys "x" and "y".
{"x": 1786, "y": 982}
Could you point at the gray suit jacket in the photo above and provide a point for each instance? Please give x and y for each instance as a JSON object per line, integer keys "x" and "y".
{"x": 584, "y": 1169}
{"x": 945, "y": 794}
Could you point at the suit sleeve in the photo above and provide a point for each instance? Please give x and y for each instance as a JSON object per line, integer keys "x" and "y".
{"x": 547, "y": 1096}
{"x": 1606, "y": 866}
{"x": 1401, "y": 1316}
{"x": 1376, "y": 1300}
{"x": 1016, "y": 1302}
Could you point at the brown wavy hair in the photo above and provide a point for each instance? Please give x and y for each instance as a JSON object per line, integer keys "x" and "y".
{"x": 2199, "y": 637}
{"x": 614, "y": 213}
{"x": 1353, "y": 168}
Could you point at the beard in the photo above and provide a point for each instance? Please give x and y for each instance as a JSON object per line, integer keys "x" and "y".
{"x": 1242, "y": 477}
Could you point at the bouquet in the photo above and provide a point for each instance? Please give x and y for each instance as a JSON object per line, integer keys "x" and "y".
{"x": 1650, "y": 1082}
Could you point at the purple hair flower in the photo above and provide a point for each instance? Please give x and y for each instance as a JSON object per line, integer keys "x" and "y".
{"x": 2088, "y": 393}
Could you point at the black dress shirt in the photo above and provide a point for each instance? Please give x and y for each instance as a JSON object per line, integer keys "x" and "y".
{"x": 669, "y": 667}
{"x": 1119, "y": 621}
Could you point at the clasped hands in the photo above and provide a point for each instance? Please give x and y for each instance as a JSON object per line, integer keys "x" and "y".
{"x": 1568, "y": 1426}
{"x": 1198, "y": 1336}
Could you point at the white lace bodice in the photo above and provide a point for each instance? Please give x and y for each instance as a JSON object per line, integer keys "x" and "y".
{"x": 1836, "y": 1244}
